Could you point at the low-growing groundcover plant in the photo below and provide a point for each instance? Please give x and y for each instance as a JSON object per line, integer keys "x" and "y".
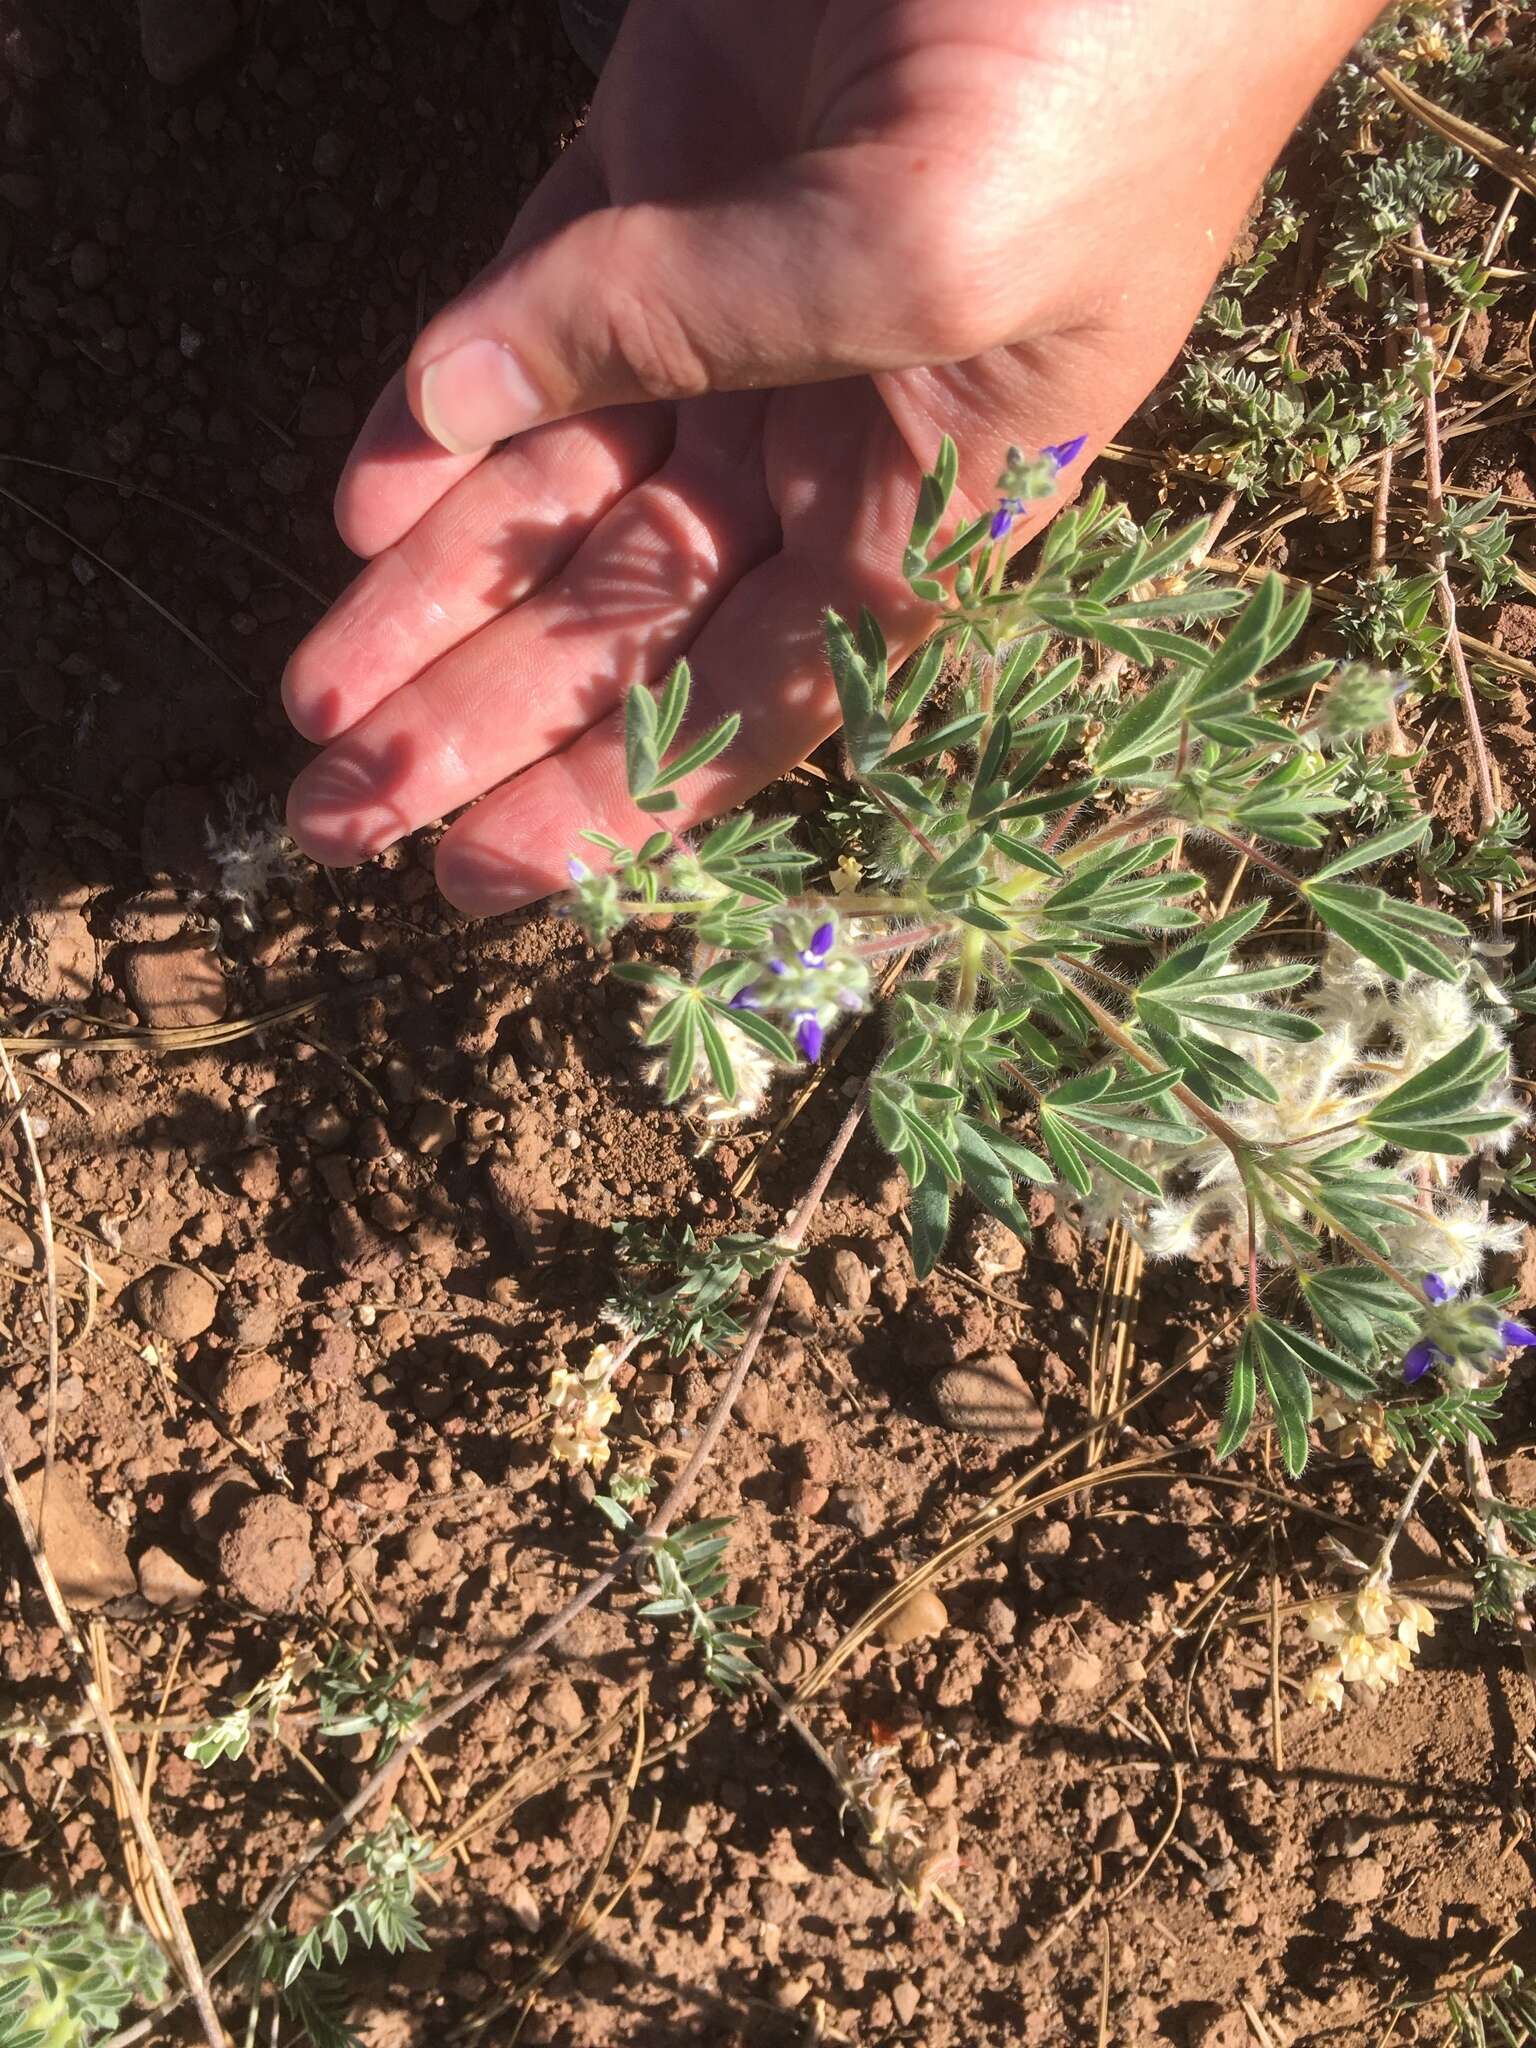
{"x": 1307, "y": 1073}
{"x": 68, "y": 1973}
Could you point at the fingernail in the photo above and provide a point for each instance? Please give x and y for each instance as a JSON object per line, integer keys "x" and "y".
{"x": 476, "y": 394}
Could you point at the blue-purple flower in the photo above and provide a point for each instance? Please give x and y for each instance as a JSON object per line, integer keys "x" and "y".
{"x": 1477, "y": 1331}
{"x": 1023, "y": 480}
{"x": 1064, "y": 452}
{"x": 822, "y": 941}
{"x": 809, "y": 1035}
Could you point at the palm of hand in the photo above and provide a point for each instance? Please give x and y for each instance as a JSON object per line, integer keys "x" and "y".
{"x": 512, "y": 598}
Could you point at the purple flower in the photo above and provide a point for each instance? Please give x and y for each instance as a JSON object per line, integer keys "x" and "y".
{"x": 1064, "y": 452}
{"x": 1518, "y": 1336}
{"x": 577, "y": 870}
{"x": 744, "y": 999}
{"x": 1420, "y": 1358}
{"x": 808, "y": 1033}
{"x": 777, "y": 967}
{"x": 815, "y": 954}
{"x": 1436, "y": 1290}
{"x": 1008, "y": 509}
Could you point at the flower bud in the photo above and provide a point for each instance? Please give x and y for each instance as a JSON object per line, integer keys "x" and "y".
{"x": 1358, "y": 700}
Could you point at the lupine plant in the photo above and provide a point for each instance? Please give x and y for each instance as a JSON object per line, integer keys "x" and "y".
{"x": 1300, "y": 1073}
{"x": 69, "y": 1973}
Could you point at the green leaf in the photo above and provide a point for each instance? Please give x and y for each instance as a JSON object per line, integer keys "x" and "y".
{"x": 640, "y": 749}
{"x": 1377, "y": 846}
{"x": 1289, "y": 1390}
{"x": 1241, "y": 1393}
{"x": 1359, "y": 1307}
{"x": 674, "y": 702}
{"x": 930, "y": 1224}
{"x": 1393, "y": 935}
{"x": 704, "y": 749}
{"x": 988, "y": 1177}
{"x": 1149, "y": 728}
{"x": 1436, "y": 1110}
{"x": 1317, "y": 1358}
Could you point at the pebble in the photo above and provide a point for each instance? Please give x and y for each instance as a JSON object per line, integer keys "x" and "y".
{"x": 175, "y": 1304}
{"x": 905, "y": 1999}
{"x": 988, "y": 1396}
{"x": 1020, "y": 1703}
{"x": 848, "y": 1283}
{"x": 1118, "y": 1836}
{"x": 179, "y": 37}
{"x": 920, "y": 1615}
{"x": 265, "y": 1555}
{"x": 174, "y": 982}
{"x": 558, "y": 1707}
{"x": 88, "y": 266}
{"x": 1344, "y": 1835}
{"x": 246, "y": 1382}
{"x": 1352, "y": 1880}
{"x": 16, "y": 1246}
{"x": 165, "y": 1583}
{"x": 87, "y": 1549}
{"x": 433, "y": 1128}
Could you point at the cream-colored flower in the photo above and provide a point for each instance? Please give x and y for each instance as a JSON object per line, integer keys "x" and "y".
{"x": 1324, "y": 1686}
{"x": 582, "y": 1405}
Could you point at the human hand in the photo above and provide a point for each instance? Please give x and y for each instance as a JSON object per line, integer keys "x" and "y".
{"x": 791, "y": 248}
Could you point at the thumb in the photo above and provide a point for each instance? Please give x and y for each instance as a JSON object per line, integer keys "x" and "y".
{"x": 819, "y": 268}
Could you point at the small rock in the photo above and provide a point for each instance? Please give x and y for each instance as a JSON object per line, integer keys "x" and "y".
{"x": 433, "y": 1128}
{"x": 265, "y": 1556}
{"x": 998, "y": 1622}
{"x": 808, "y": 1497}
{"x": 1352, "y": 1881}
{"x": 920, "y": 1615}
{"x": 86, "y": 1549}
{"x": 988, "y": 1396}
{"x": 797, "y": 1302}
{"x": 88, "y": 266}
{"x": 16, "y": 1246}
{"x": 1044, "y": 1539}
{"x": 49, "y": 957}
{"x": 178, "y": 37}
{"x": 905, "y": 1999}
{"x": 860, "y": 1510}
{"x": 152, "y": 914}
{"x": 558, "y": 1707}
{"x": 258, "y": 1173}
{"x": 165, "y": 1583}
{"x": 848, "y": 1283}
{"x": 174, "y": 982}
{"x": 175, "y": 1304}
{"x": 1075, "y": 1671}
{"x": 247, "y": 1382}
{"x": 1118, "y": 1836}
{"x": 1018, "y": 1701}
{"x": 1344, "y": 1836}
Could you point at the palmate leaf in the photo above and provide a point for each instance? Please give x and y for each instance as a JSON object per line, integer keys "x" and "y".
{"x": 1436, "y": 1110}
{"x": 1288, "y": 1388}
{"x": 1242, "y": 1392}
{"x": 1360, "y": 1308}
{"x": 1395, "y": 936}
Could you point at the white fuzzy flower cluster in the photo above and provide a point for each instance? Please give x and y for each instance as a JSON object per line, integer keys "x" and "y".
{"x": 914, "y": 1859}
{"x": 1373, "y": 1639}
{"x": 251, "y": 850}
{"x": 1376, "y": 1034}
{"x": 582, "y": 1404}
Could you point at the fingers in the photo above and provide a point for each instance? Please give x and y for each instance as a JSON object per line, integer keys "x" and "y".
{"x": 767, "y": 640}
{"x": 396, "y": 472}
{"x": 634, "y": 595}
{"x": 803, "y": 272}
{"x": 499, "y": 535}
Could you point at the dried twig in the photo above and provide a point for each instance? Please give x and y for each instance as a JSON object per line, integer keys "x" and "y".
{"x": 1477, "y": 745}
